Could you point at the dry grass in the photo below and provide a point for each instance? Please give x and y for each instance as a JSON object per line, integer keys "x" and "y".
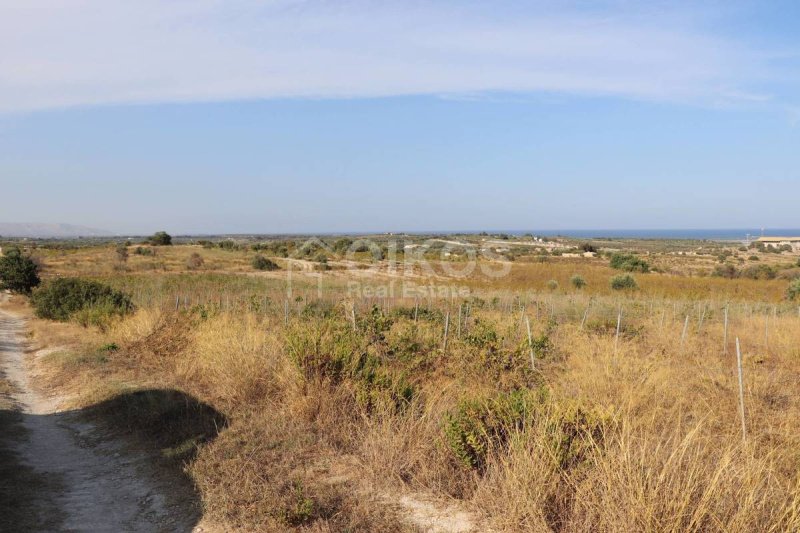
{"x": 305, "y": 446}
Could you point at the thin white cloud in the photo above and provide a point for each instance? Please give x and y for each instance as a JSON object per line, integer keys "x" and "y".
{"x": 57, "y": 53}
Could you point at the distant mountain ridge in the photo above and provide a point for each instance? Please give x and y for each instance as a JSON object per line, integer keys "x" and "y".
{"x": 52, "y": 231}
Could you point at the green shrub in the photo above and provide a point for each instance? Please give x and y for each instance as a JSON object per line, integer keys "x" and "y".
{"x": 479, "y": 424}
{"x": 89, "y": 302}
{"x": 330, "y": 351}
{"x": 483, "y": 335}
{"x": 552, "y": 284}
{"x": 262, "y": 263}
{"x": 569, "y": 429}
{"x": 623, "y": 282}
{"x": 758, "y": 272}
{"x": 725, "y": 271}
{"x": 577, "y": 281}
{"x": 629, "y": 263}
{"x": 793, "y": 292}
{"x": 18, "y": 273}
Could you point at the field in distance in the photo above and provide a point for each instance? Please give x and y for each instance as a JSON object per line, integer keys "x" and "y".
{"x": 451, "y": 382}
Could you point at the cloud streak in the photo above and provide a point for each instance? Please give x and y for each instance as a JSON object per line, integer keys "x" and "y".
{"x": 56, "y": 54}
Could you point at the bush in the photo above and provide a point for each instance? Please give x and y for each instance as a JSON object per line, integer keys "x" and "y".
{"x": 481, "y": 425}
{"x": 552, "y": 284}
{"x": 623, "y": 282}
{"x": 72, "y": 298}
{"x": 793, "y": 292}
{"x": 161, "y": 238}
{"x": 122, "y": 253}
{"x": 478, "y": 425}
{"x": 262, "y": 263}
{"x": 18, "y": 273}
{"x": 758, "y": 272}
{"x": 629, "y": 263}
{"x": 577, "y": 281}
{"x": 195, "y": 261}
{"x": 725, "y": 271}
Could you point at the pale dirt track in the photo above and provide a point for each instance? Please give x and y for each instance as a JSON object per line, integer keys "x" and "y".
{"x": 94, "y": 481}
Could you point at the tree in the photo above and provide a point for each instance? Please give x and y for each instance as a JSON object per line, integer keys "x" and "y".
{"x": 161, "y": 238}
{"x": 18, "y": 273}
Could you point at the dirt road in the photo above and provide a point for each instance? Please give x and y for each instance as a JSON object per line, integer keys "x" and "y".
{"x": 91, "y": 481}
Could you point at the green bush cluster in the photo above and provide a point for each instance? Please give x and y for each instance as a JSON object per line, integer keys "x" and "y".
{"x": 479, "y": 425}
{"x": 331, "y": 351}
{"x": 88, "y": 302}
{"x": 577, "y": 281}
{"x": 629, "y": 263}
{"x": 729, "y": 271}
{"x": 623, "y": 282}
{"x": 18, "y": 272}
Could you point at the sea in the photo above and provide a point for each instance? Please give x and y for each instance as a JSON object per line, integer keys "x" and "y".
{"x": 736, "y": 234}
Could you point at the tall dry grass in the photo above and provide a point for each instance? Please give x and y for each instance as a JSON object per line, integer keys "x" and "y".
{"x": 310, "y": 447}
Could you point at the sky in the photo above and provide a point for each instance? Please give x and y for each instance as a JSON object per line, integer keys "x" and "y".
{"x": 274, "y": 116}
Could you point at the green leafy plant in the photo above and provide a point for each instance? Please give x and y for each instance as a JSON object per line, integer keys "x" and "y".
{"x": 89, "y": 302}
{"x": 479, "y": 424}
{"x": 624, "y": 282}
{"x": 18, "y": 272}
{"x": 577, "y": 281}
{"x": 629, "y": 263}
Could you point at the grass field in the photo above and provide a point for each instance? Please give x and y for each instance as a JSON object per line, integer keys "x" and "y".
{"x": 526, "y": 402}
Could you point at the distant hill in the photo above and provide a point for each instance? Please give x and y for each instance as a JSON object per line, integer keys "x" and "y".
{"x": 49, "y": 231}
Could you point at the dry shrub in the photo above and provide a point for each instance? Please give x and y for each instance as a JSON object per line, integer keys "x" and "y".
{"x": 268, "y": 472}
{"x": 169, "y": 337}
{"x": 665, "y": 479}
{"x": 236, "y": 360}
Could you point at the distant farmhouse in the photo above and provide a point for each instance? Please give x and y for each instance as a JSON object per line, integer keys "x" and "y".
{"x": 778, "y": 242}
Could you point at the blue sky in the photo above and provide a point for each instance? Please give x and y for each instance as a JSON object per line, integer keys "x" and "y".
{"x": 308, "y": 116}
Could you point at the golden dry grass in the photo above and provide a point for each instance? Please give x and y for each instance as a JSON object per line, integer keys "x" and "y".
{"x": 303, "y": 451}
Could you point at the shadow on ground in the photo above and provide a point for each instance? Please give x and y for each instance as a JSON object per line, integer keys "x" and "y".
{"x": 164, "y": 427}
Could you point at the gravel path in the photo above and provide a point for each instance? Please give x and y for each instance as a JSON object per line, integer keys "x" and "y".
{"x": 93, "y": 482}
